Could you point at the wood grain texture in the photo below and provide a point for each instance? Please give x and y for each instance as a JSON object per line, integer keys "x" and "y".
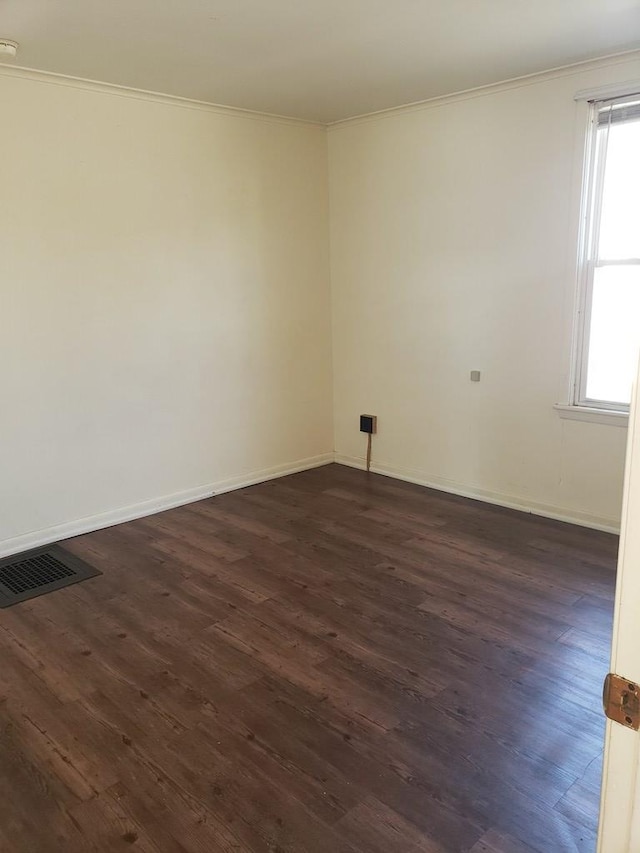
{"x": 332, "y": 662}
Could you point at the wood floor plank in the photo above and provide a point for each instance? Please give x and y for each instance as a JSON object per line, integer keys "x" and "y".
{"x": 496, "y": 842}
{"x": 332, "y": 662}
{"x": 378, "y": 829}
{"x": 580, "y": 803}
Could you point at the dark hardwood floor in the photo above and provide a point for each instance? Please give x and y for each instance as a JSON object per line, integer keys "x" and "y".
{"x": 327, "y": 663}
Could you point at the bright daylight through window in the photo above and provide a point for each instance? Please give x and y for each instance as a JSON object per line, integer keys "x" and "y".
{"x": 610, "y": 299}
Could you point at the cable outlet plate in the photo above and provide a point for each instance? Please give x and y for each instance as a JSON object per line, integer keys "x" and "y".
{"x": 368, "y": 424}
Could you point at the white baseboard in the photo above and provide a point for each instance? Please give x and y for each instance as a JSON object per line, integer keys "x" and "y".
{"x": 46, "y": 536}
{"x": 410, "y": 475}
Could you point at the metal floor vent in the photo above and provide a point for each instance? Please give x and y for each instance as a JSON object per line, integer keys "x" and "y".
{"x": 38, "y": 572}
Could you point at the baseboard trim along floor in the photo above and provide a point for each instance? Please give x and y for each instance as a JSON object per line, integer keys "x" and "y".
{"x": 88, "y": 524}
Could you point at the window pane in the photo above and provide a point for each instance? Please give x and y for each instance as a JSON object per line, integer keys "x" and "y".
{"x": 615, "y": 333}
{"x": 620, "y": 222}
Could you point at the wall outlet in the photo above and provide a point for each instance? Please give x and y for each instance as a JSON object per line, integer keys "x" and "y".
{"x": 368, "y": 423}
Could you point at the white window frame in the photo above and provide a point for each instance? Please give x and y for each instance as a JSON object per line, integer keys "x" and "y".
{"x": 592, "y": 191}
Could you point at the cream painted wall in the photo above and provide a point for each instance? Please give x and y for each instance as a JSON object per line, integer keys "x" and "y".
{"x": 166, "y": 316}
{"x": 165, "y": 304}
{"x": 453, "y": 245}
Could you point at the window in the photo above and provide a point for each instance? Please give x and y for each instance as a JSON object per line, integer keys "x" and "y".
{"x": 609, "y": 310}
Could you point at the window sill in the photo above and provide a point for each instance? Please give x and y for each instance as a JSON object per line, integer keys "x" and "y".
{"x": 596, "y": 416}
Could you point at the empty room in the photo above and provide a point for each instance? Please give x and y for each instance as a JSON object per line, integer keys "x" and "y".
{"x": 319, "y": 459}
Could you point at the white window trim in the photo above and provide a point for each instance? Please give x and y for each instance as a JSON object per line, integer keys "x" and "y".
{"x": 612, "y": 417}
{"x": 603, "y": 93}
{"x": 591, "y": 189}
{"x": 578, "y": 407}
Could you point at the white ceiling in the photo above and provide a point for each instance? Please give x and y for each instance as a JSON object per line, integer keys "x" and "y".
{"x": 315, "y": 59}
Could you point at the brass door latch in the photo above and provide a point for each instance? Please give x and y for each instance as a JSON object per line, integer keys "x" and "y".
{"x": 621, "y": 701}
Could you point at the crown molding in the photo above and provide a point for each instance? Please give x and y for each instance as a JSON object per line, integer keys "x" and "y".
{"x": 490, "y": 88}
{"x": 51, "y": 78}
